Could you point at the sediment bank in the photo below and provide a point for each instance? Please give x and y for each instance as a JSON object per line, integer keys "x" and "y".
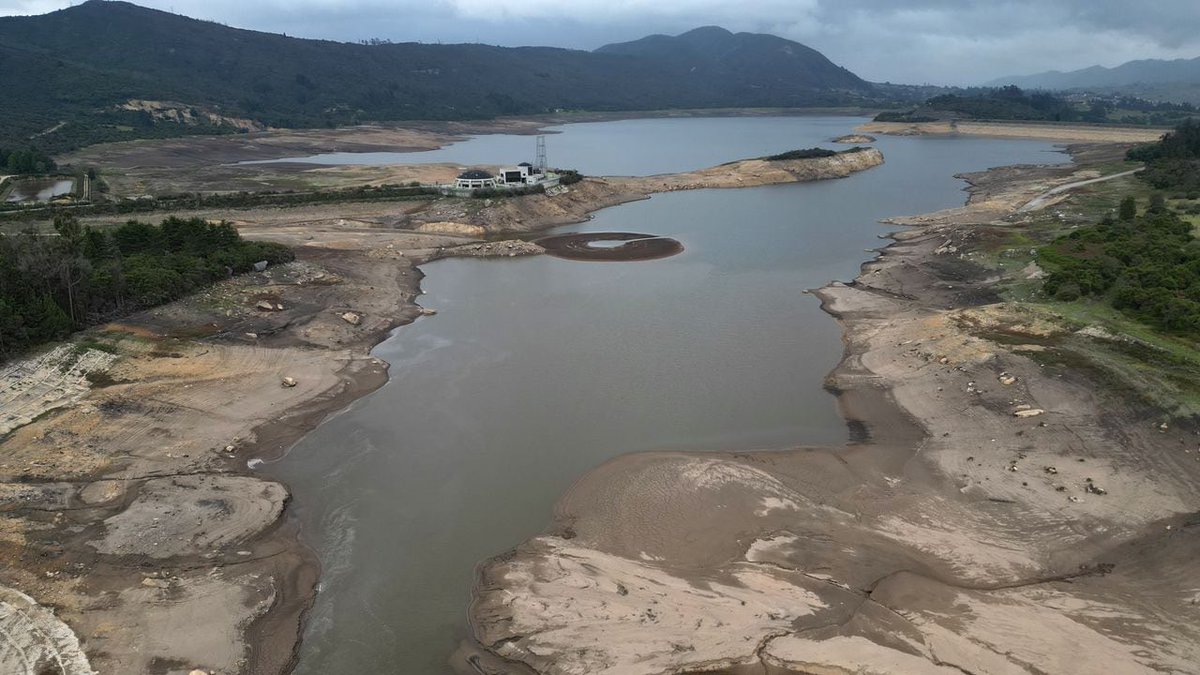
{"x": 1065, "y": 133}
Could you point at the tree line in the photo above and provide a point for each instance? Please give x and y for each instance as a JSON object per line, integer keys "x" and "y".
{"x": 1173, "y": 163}
{"x": 53, "y": 284}
{"x": 27, "y": 161}
{"x": 1013, "y": 103}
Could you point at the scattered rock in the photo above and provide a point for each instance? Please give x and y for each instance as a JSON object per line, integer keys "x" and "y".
{"x": 265, "y": 306}
{"x": 352, "y": 318}
{"x": 1032, "y": 412}
{"x": 155, "y": 583}
{"x": 288, "y": 382}
{"x": 1051, "y": 470}
{"x": 425, "y": 311}
{"x": 260, "y": 266}
{"x": 1007, "y": 379}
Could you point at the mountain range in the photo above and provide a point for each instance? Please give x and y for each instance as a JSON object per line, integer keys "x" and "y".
{"x": 84, "y": 64}
{"x": 1178, "y": 79}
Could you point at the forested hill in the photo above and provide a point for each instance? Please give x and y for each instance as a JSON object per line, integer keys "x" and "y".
{"x": 79, "y": 64}
{"x": 753, "y": 61}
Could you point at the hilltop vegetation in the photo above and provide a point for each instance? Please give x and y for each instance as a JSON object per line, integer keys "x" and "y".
{"x": 81, "y": 66}
{"x": 53, "y": 285}
{"x": 1147, "y": 266}
{"x": 25, "y": 162}
{"x": 1013, "y": 103}
{"x": 1174, "y": 162}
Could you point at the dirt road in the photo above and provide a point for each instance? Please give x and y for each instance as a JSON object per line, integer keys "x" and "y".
{"x": 1044, "y": 198}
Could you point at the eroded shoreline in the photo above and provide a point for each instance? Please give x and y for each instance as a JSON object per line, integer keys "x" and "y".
{"x": 955, "y": 535}
{"x": 194, "y": 394}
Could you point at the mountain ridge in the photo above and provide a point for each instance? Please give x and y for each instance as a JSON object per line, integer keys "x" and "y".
{"x": 1141, "y": 71}
{"x": 82, "y": 63}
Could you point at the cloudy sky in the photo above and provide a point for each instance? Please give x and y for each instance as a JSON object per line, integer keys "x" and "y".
{"x": 909, "y": 41}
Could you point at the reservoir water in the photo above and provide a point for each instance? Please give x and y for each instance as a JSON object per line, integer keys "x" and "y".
{"x": 537, "y": 369}
{"x": 40, "y": 189}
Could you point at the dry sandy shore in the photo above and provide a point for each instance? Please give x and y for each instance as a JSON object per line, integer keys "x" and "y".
{"x": 1065, "y": 133}
{"x": 133, "y": 539}
{"x": 1000, "y": 513}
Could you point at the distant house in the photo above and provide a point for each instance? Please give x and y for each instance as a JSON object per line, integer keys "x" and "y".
{"x": 475, "y": 178}
{"x": 521, "y": 174}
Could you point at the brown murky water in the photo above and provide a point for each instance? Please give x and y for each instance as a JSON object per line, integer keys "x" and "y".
{"x": 537, "y": 369}
{"x": 40, "y": 189}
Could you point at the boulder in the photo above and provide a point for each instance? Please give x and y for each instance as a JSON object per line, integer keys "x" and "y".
{"x": 351, "y": 318}
{"x": 288, "y": 382}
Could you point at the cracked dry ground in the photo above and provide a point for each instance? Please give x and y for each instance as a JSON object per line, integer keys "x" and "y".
{"x": 955, "y": 537}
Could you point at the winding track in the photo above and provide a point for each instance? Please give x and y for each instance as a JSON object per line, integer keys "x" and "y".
{"x": 1040, "y": 201}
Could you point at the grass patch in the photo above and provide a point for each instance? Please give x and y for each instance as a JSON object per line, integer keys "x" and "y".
{"x": 1162, "y": 370}
{"x": 95, "y": 343}
{"x": 100, "y": 379}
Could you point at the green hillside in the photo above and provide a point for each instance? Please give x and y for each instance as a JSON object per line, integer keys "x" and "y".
{"x": 79, "y": 64}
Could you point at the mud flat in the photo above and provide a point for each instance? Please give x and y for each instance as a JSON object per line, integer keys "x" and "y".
{"x": 610, "y": 246}
{"x": 125, "y": 500}
{"x": 998, "y": 513}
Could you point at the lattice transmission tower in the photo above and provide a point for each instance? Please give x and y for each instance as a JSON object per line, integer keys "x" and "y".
{"x": 540, "y": 162}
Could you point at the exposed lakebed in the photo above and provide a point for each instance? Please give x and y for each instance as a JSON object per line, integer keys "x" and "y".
{"x": 538, "y": 369}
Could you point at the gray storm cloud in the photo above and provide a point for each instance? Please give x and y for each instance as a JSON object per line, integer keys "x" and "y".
{"x": 935, "y": 41}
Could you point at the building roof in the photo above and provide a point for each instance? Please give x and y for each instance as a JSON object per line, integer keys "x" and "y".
{"x": 475, "y": 174}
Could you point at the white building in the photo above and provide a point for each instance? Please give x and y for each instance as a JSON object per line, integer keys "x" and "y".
{"x": 521, "y": 174}
{"x": 475, "y": 178}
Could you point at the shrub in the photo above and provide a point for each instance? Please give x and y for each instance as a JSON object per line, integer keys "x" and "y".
{"x": 807, "y": 153}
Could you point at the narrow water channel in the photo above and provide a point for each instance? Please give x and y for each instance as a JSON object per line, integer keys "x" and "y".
{"x": 535, "y": 370}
